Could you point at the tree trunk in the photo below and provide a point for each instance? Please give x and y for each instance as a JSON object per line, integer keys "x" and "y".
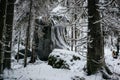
{"x": 19, "y": 40}
{"x": 27, "y": 36}
{"x": 72, "y": 36}
{"x": 2, "y": 18}
{"x": 118, "y": 2}
{"x": 33, "y": 55}
{"x": 117, "y": 45}
{"x": 8, "y": 34}
{"x": 95, "y": 56}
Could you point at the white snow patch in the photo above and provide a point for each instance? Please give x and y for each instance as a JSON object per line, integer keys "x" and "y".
{"x": 42, "y": 71}
{"x": 59, "y": 8}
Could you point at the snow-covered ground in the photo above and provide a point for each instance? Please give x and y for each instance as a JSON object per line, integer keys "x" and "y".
{"x": 42, "y": 71}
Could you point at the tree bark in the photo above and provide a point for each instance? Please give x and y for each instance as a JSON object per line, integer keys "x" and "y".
{"x": 27, "y": 35}
{"x": 95, "y": 55}
{"x": 19, "y": 40}
{"x": 8, "y": 34}
{"x": 2, "y": 18}
{"x": 118, "y": 45}
{"x": 34, "y": 46}
{"x": 33, "y": 55}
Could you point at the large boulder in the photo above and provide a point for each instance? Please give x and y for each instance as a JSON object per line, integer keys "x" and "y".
{"x": 59, "y": 32}
{"x": 48, "y": 35}
{"x": 42, "y": 38}
{"x": 58, "y": 38}
{"x": 63, "y": 59}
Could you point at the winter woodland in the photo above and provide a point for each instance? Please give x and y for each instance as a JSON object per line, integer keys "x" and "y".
{"x": 59, "y": 39}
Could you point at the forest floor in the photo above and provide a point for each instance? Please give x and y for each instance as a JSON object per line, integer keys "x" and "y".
{"x": 42, "y": 71}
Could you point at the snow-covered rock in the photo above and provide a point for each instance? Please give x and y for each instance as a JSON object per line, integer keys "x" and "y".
{"x": 63, "y": 59}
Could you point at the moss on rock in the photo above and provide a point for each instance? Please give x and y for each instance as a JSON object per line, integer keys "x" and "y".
{"x": 63, "y": 59}
{"x": 76, "y": 57}
{"x": 57, "y": 63}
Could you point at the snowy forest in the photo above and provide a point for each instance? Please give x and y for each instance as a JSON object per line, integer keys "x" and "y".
{"x": 59, "y": 39}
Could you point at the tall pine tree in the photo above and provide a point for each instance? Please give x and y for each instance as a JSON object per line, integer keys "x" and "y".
{"x": 95, "y": 56}
{"x": 2, "y": 25}
{"x": 28, "y": 35}
{"x": 8, "y": 32}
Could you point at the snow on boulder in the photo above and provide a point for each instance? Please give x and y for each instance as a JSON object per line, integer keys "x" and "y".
{"x": 64, "y": 59}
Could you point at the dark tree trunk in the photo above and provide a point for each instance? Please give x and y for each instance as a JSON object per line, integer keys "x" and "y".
{"x": 75, "y": 18}
{"x": 19, "y": 39}
{"x": 118, "y": 2}
{"x": 27, "y": 35}
{"x": 95, "y": 56}
{"x": 72, "y": 36}
{"x": 8, "y": 34}
{"x": 34, "y": 46}
{"x": 2, "y": 18}
{"x": 118, "y": 45}
{"x": 33, "y": 55}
